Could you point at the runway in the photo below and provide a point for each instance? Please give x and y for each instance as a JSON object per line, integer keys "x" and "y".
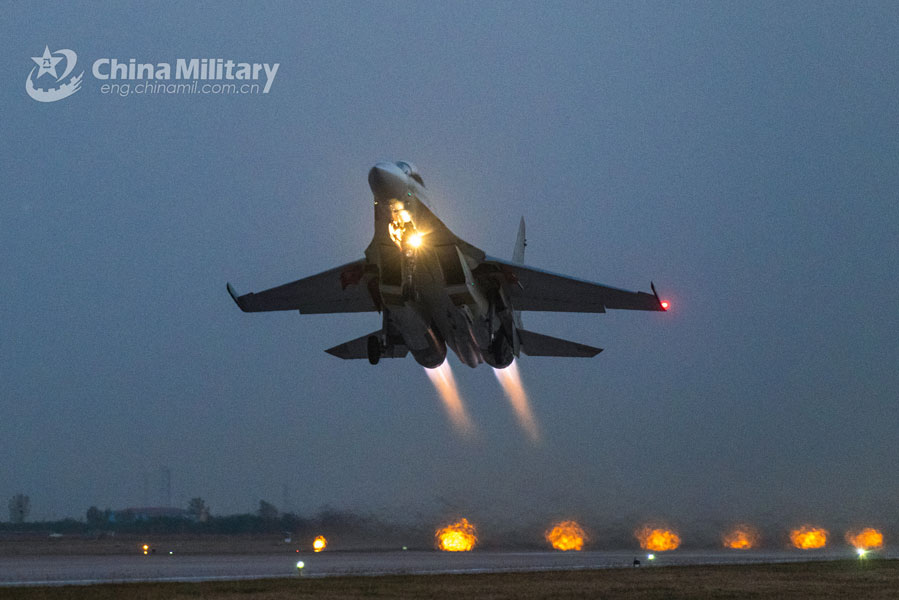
{"x": 162, "y": 567}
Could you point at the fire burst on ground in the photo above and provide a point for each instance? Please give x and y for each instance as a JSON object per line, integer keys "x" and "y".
{"x": 741, "y": 537}
{"x": 567, "y": 535}
{"x": 510, "y": 379}
{"x": 445, "y": 384}
{"x": 460, "y": 536}
{"x": 865, "y": 539}
{"x": 320, "y": 543}
{"x": 808, "y": 537}
{"x": 657, "y": 539}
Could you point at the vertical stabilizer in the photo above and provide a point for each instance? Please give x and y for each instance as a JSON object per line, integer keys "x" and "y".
{"x": 520, "y": 243}
{"x": 518, "y": 257}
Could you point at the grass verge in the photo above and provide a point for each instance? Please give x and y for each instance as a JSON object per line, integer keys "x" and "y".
{"x": 820, "y": 580}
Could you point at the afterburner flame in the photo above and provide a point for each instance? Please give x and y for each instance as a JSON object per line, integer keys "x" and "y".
{"x": 657, "y": 539}
{"x": 741, "y": 537}
{"x": 510, "y": 379}
{"x": 567, "y": 535}
{"x": 865, "y": 539}
{"x": 320, "y": 543}
{"x": 808, "y": 537}
{"x": 460, "y": 536}
{"x": 445, "y": 383}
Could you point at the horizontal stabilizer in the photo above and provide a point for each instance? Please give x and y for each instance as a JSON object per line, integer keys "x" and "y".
{"x": 535, "y": 344}
{"x": 358, "y": 348}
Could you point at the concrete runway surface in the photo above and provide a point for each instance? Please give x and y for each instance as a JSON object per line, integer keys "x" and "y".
{"x": 85, "y": 570}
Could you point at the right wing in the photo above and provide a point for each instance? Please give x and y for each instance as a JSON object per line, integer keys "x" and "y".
{"x": 534, "y": 289}
{"x": 343, "y": 289}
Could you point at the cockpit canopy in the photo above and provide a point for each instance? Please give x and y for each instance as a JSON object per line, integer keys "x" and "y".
{"x": 410, "y": 170}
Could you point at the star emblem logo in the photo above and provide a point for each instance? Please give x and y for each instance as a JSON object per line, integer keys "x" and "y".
{"x": 47, "y": 63}
{"x": 63, "y": 86}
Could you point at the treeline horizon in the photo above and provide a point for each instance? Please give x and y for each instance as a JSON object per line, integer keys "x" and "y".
{"x": 267, "y": 520}
{"x": 346, "y": 528}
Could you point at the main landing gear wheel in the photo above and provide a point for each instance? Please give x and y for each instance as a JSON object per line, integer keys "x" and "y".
{"x": 374, "y": 349}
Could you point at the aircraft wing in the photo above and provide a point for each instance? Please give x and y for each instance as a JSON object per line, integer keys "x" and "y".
{"x": 358, "y": 348}
{"x": 343, "y": 289}
{"x": 535, "y": 289}
{"x": 536, "y": 344}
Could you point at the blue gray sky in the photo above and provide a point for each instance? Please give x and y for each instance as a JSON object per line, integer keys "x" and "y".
{"x": 744, "y": 156}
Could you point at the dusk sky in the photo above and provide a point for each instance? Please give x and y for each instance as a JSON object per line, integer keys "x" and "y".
{"x": 743, "y": 156}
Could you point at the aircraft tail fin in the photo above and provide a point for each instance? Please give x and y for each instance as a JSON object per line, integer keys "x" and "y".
{"x": 358, "y": 348}
{"x": 535, "y": 344}
{"x": 520, "y": 243}
{"x": 518, "y": 257}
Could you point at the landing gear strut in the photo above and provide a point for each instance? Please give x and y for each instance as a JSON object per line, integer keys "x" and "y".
{"x": 374, "y": 349}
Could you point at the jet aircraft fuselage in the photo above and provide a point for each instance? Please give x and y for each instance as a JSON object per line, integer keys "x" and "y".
{"x": 435, "y": 291}
{"x": 429, "y": 296}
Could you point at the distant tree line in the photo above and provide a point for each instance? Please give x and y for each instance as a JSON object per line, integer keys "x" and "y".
{"x": 195, "y": 520}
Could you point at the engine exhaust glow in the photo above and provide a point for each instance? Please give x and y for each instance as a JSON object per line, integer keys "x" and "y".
{"x": 567, "y": 535}
{"x": 741, "y": 537}
{"x": 460, "y": 536}
{"x": 510, "y": 379}
{"x": 657, "y": 539}
{"x": 808, "y": 537}
{"x": 320, "y": 543}
{"x": 445, "y": 384}
{"x": 865, "y": 539}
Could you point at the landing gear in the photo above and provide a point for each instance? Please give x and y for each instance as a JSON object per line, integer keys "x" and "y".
{"x": 374, "y": 349}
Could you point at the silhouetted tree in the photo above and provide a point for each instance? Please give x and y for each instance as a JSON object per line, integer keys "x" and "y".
{"x": 267, "y": 511}
{"x": 94, "y": 517}
{"x": 198, "y": 509}
{"x": 19, "y": 507}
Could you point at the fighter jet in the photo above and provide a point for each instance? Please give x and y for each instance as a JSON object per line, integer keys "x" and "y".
{"x": 435, "y": 291}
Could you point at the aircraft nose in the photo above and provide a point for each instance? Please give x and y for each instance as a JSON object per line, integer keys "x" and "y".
{"x": 387, "y": 180}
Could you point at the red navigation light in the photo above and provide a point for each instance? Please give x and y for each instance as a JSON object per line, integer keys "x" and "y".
{"x": 665, "y": 304}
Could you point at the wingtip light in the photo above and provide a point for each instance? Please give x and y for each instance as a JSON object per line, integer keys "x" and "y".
{"x": 665, "y": 304}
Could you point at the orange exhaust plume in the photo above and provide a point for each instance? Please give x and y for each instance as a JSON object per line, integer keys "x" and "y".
{"x": 460, "y": 536}
{"x": 808, "y": 537}
{"x": 657, "y": 539}
{"x": 567, "y": 535}
{"x": 741, "y": 537}
{"x": 510, "y": 379}
{"x": 445, "y": 384}
{"x": 320, "y": 543}
{"x": 865, "y": 539}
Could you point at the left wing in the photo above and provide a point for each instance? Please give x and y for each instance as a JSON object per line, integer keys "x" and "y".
{"x": 535, "y": 289}
{"x": 358, "y": 348}
{"x": 343, "y": 289}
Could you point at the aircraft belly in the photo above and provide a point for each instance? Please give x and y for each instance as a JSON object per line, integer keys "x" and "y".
{"x": 415, "y": 331}
{"x": 454, "y": 324}
{"x": 425, "y": 308}
{"x": 452, "y": 315}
